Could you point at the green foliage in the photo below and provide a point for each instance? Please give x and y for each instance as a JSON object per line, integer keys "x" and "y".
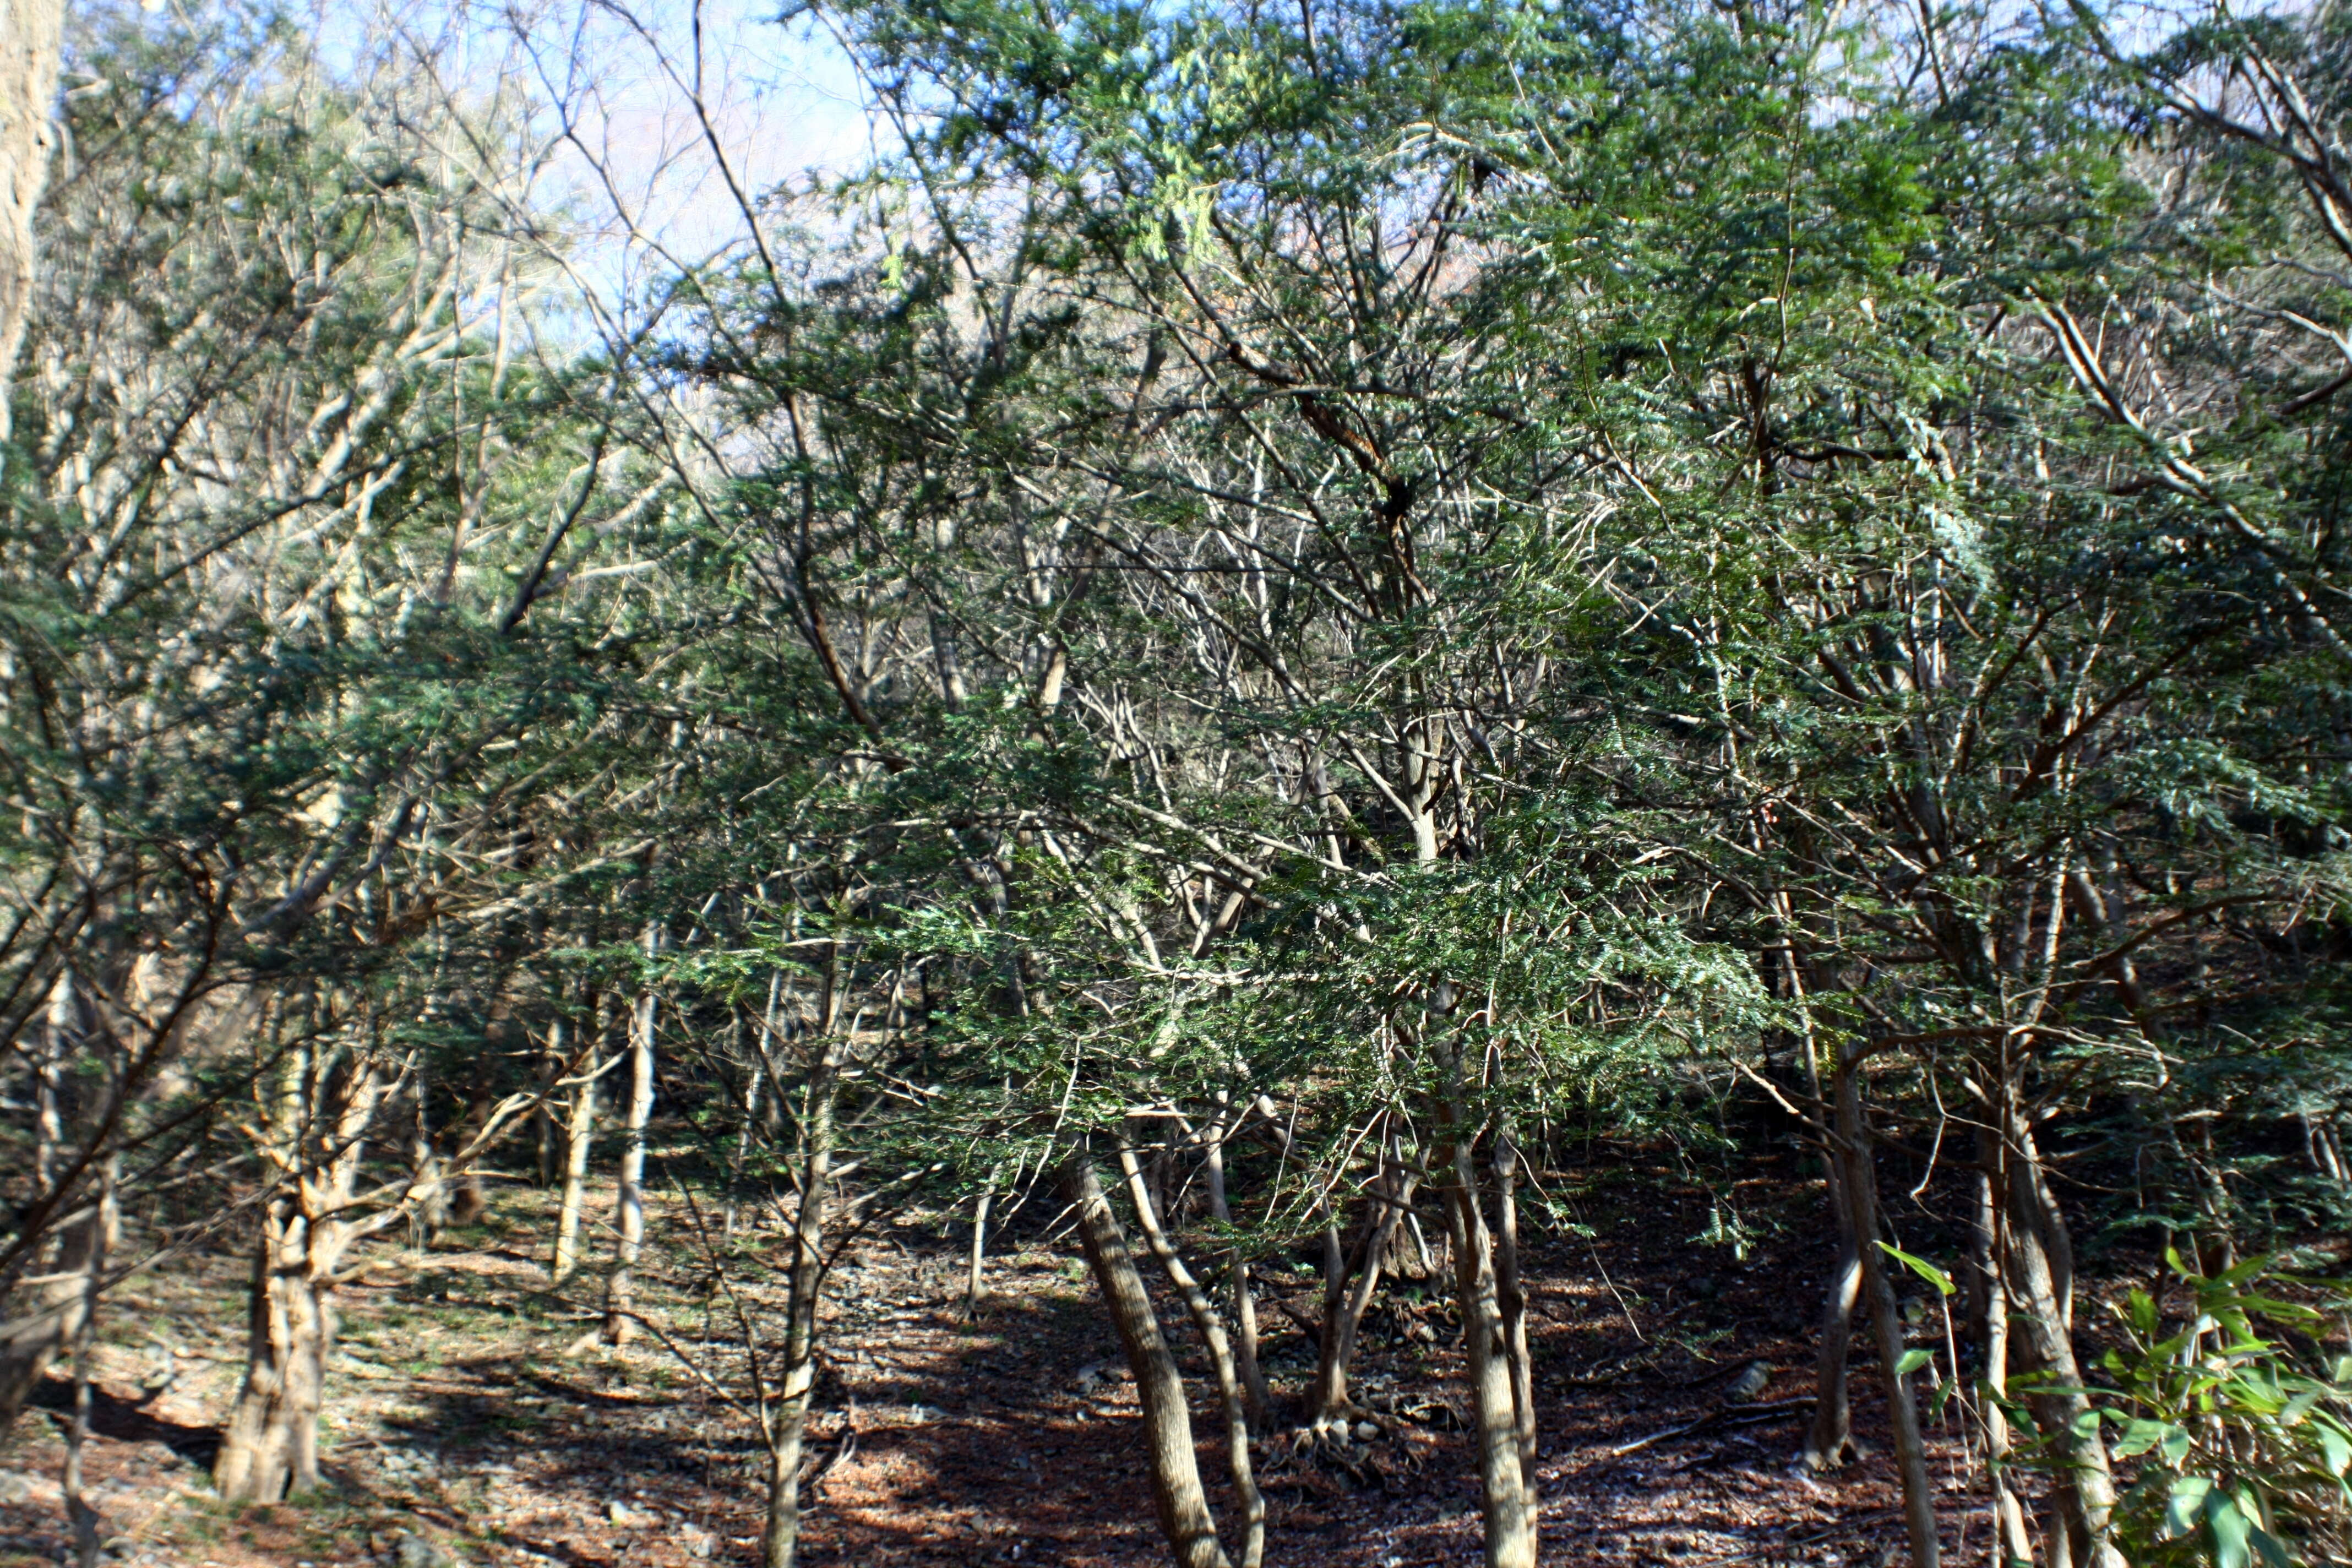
{"x": 2244, "y": 1441}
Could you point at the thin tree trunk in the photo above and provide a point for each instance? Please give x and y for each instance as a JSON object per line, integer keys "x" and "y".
{"x": 1511, "y": 1297}
{"x": 1886, "y": 1321}
{"x": 579, "y": 1133}
{"x": 1176, "y": 1491}
{"x": 1831, "y": 1440}
{"x": 743, "y": 1135}
{"x": 1343, "y": 1315}
{"x": 786, "y": 1425}
{"x": 1261, "y": 1401}
{"x": 84, "y": 1520}
{"x": 629, "y": 1204}
{"x": 53, "y": 1319}
{"x": 2011, "y": 1543}
{"x": 979, "y": 1251}
{"x": 1509, "y": 1502}
{"x": 2083, "y": 1493}
{"x": 1211, "y": 1330}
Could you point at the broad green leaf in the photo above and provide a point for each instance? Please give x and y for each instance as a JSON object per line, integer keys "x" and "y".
{"x": 1912, "y": 1361}
{"x": 2230, "y": 1527}
{"x": 2184, "y": 1502}
{"x": 1921, "y": 1267}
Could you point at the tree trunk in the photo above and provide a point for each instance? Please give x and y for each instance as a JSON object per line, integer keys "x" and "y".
{"x": 1511, "y": 1297}
{"x": 629, "y": 1203}
{"x": 1211, "y": 1330}
{"x": 785, "y": 1424}
{"x": 271, "y": 1448}
{"x": 1261, "y": 1401}
{"x": 89, "y": 1527}
{"x": 1509, "y": 1501}
{"x": 1176, "y": 1492}
{"x": 1345, "y": 1304}
{"x": 979, "y": 1251}
{"x": 579, "y": 1132}
{"x": 2082, "y": 1492}
{"x": 1831, "y": 1440}
{"x": 59, "y": 1303}
{"x": 2011, "y": 1543}
{"x": 1886, "y": 1321}
{"x": 53, "y": 1317}
{"x": 30, "y": 41}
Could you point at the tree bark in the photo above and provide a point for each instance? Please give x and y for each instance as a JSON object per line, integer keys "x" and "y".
{"x": 784, "y": 1422}
{"x": 269, "y": 1449}
{"x": 1887, "y": 1322}
{"x": 59, "y": 1305}
{"x": 1509, "y": 1501}
{"x": 979, "y": 1250}
{"x": 1176, "y": 1491}
{"x": 579, "y": 1133}
{"x": 2011, "y": 1543}
{"x": 31, "y": 39}
{"x": 629, "y": 1202}
{"x": 1245, "y": 1300}
{"x": 1211, "y": 1330}
{"x": 1511, "y": 1298}
{"x": 2037, "y": 1268}
{"x": 1345, "y": 1303}
{"x": 1831, "y": 1440}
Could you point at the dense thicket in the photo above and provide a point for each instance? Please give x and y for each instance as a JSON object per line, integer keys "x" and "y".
{"x": 1340, "y": 606}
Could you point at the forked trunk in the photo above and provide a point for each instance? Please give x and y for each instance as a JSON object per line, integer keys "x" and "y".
{"x": 1176, "y": 1492}
{"x": 270, "y": 1447}
{"x": 1347, "y": 1294}
{"x": 1885, "y": 1320}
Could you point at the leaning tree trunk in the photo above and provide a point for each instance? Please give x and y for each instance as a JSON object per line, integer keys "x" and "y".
{"x": 1886, "y": 1319}
{"x": 30, "y": 37}
{"x": 1211, "y": 1329}
{"x": 1176, "y": 1491}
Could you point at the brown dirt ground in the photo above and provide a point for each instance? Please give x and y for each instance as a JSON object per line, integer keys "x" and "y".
{"x": 468, "y": 1424}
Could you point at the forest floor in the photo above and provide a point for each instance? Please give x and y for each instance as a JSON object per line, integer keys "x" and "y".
{"x": 470, "y": 1424}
